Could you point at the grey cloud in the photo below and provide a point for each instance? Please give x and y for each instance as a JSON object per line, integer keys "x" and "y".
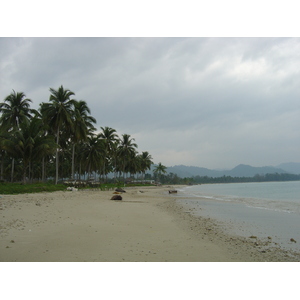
{"x": 203, "y": 101}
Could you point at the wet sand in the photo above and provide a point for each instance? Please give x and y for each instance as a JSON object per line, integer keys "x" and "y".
{"x": 146, "y": 226}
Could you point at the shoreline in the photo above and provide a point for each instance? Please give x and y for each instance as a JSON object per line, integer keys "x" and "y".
{"x": 146, "y": 226}
{"x": 243, "y": 249}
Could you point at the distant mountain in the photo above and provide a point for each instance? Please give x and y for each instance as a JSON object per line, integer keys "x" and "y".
{"x": 239, "y": 171}
{"x": 248, "y": 171}
{"x": 292, "y": 168}
{"x": 186, "y": 171}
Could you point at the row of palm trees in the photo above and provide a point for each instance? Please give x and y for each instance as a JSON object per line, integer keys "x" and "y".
{"x": 59, "y": 140}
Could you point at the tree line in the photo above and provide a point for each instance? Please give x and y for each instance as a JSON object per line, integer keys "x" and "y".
{"x": 59, "y": 140}
{"x": 172, "y": 178}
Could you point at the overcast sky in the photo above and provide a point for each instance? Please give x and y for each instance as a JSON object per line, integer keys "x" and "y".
{"x": 207, "y": 102}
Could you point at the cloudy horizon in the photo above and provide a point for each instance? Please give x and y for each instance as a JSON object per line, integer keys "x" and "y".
{"x": 206, "y": 102}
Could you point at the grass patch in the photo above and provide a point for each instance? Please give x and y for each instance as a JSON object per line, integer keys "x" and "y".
{"x": 17, "y": 188}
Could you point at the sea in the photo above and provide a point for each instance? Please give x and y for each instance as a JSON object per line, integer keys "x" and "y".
{"x": 265, "y": 210}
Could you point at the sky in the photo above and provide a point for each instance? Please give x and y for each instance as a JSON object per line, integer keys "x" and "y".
{"x": 207, "y": 102}
{"x": 211, "y": 101}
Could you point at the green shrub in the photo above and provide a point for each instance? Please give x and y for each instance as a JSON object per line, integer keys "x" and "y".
{"x": 17, "y": 188}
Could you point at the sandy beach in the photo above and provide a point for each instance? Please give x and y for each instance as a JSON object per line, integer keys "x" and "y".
{"x": 146, "y": 226}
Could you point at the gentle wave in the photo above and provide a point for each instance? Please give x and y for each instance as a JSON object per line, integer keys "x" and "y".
{"x": 264, "y": 209}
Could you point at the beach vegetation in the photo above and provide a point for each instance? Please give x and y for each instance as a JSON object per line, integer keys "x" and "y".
{"x": 58, "y": 114}
{"x": 59, "y": 142}
{"x": 8, "y": 188}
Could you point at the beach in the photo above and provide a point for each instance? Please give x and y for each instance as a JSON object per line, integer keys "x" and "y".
{"x": 145, "y": 226}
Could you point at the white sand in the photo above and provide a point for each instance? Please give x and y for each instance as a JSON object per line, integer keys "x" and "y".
{"x": 86, "y": 226}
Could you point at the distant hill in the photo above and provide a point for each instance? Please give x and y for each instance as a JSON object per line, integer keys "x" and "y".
{"x": 248, "y": 171}
{"x": 186, "y": 171}
{"x": 239, "y": 171}
{"x": 293, "y": 168}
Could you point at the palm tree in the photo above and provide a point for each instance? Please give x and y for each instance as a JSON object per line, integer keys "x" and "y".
{"x": 22, "y": 144}
{"x": 93, "y": 153}
{"x": 82, "y": 126}
{"x": 114, "y": 152}
{"x": 10, "y": 146}
{"x": 15, "y": 110}
{"x": 146, "y": 162}
{"x": 29, "y": 145}
{"x": 133, "y": 163}
{"x": 160, "y": 169}
{"x": 109, "y": 136}
{"x": 44, "y": 144}
{"x": 3, "y": 136}
{"x": 127, "y": 147}
{"x": 58, "y": 114}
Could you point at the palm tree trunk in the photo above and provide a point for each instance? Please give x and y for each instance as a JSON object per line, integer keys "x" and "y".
{"x": 57, "y": 140}
{"x": 2, "y": 167}
{"x": 30, "y": 173}
{"x": 124, "y": 172}
{"x": 43, "y": 169}
{"x": 103, "y": 174}
{"x": 24, "y": 176}
{"x": 73, "y": 161}
{"x": 12, "y": 169}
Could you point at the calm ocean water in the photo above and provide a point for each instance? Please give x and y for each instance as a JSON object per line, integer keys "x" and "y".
{"x": 245, "y": 209}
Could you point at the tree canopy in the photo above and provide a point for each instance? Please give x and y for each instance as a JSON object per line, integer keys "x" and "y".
{"x": 60, "y": 141}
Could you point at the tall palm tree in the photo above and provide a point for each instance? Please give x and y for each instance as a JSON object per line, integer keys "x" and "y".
{"x": 146, "y": 162}
{"x": 58, "y": 114}
{"x": 133, "y": 163}
{"x": 114, "y": 151}
{"x": 82, "y": 126}
{"x": 44, "y": 144}
{"x": 29, "y": 145}
{"x": 15, "y": 110}
{"x": 3, "y": 136}
{"x": 93, "y": 154}
{"x": 109, "y": 136}
{"x": 160, "y": 169}
{"x": 10, "y": 146}
{"x": 127, "y": 147}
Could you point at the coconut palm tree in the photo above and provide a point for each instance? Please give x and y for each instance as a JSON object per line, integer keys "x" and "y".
{"x": 127, "y": 147}
{"x": 48, "y": 152}
{"x": 29, "y": 145}
{"x": 15, "y": 110}
{"x": 160, "y": 169}
{"x": 109, "y": 136}
{"x": 59, "y": 115}
{"x": 9, "y": 145}
{"x": 146, "y": 162}
{"x": 3, "y": 136}
{"x": 82, "y": 126}
{"x": 92, "y": 152}
{"x": 114, "y": 152}
{"x": 44, "y": 144}
{"x": 133, "y": 163}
